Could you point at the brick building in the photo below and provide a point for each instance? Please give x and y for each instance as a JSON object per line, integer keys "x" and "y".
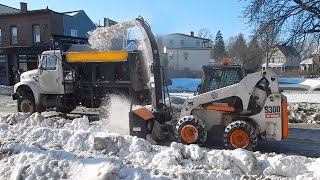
{"x": 26, "y": 33}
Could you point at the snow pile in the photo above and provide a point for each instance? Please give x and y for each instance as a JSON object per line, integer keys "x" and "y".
{"x": 304, "y": 113}
{"x": 6, "y": 90}
{"x": 35, "y": 147}
{"x": 104, "y": 38}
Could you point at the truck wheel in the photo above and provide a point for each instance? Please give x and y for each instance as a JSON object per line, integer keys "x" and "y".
{"x": 240, "y": 134}
{"x": 190, "y": 130}
{"x": 26, "y": 103}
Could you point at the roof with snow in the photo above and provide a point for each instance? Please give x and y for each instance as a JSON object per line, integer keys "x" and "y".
{"x": 72, "y": 13}
{"x": 273, "y": 65}
{"x": 307, "y": 61}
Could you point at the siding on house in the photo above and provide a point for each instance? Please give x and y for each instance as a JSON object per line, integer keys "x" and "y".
{"x": 79, "y": 21}
{"x": 187, "y": 59}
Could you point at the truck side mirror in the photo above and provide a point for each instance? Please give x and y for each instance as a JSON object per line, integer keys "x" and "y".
{"x": 168, "y": 82}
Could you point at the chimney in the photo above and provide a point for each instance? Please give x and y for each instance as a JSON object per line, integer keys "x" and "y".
{"x": 23, "y": 7}
{"x": 192, "y": 33}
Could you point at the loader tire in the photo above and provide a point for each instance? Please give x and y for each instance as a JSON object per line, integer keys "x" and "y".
{"x": 26, "y": 103}
{"x": 191, "y": 130}
{"x": 240, "y": 134}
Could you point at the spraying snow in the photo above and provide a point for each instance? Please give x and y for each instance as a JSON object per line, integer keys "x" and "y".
{"x": 115, "y": 114}
{"x": 103, "y": 38}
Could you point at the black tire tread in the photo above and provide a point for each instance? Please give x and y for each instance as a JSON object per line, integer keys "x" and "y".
{"x": 198, "y": 123}
{"x": 240, "y": 125}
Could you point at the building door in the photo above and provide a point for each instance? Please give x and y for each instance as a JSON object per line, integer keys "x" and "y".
{"x": 3, "y": 70}
{"x": 48, "y": 74}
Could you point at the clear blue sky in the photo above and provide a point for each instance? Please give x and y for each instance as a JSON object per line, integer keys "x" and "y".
{"x": 164, "y": 16}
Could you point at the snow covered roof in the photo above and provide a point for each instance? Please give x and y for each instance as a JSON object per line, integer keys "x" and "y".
{"x": 307, "y": 61}
{"x": 72, "y": 13}
{"x": 273, "y": 65}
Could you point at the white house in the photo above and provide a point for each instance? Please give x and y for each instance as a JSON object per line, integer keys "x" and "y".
{"x": 284, "y": 58}
{"x": 186, "y": 52}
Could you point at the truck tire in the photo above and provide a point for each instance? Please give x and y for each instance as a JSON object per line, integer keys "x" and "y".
{"x": 240, "y": 134}
{"x": 191, "y": 130}
{"x": 26, "y": 103}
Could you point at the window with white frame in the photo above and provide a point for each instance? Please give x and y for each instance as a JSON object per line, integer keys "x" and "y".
{"x": 182, "y": 42}
{"x": 198, "y": 43}
{"x": 36, "y": 34}
{"x": 74, "y": 32}
{"x": 185, "y": 56}
{"x": 14, "y": 35}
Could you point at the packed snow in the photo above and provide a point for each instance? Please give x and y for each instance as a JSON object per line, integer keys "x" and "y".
{"x": 6, "y": 90}
{"x": 34, "y": 147}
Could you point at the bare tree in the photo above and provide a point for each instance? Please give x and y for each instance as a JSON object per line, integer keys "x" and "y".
{"x": 254, "y": 55}
{"x": 294, "y": 20}
{"x": 237, "y": 49}
{"x": 205, "y": 33}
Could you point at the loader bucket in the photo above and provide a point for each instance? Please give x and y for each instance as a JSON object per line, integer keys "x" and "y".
{"x": 139, "y": 122}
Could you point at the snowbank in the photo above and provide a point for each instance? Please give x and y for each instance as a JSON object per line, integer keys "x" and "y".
{"x": 190, "y": 85}
{"x": 6, "y": 90}
{"x": 36, "y": 147}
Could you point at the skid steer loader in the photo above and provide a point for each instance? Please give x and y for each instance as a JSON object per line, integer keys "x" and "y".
{"x": 248, "y": 107}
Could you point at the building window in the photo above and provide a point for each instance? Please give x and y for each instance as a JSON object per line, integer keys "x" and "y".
{"x": 181, "y": 42}
{"x": 198, "y": 43}
{"x": 3, "y": 66}
{"x": 14, "y": 35}
{"x": 23, "y": 63}
{"x": 0, "y": 36}
{"x": 74, "y": 33}
{"x": 36, "y": 34}
{"x": 171, "y": 41}
{"x": 185, "y": 56}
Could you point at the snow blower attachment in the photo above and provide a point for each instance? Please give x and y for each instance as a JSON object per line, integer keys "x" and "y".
{"x": 245, "y": 106}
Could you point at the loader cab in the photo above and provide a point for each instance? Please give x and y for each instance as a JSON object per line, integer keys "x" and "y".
{"x": 219, "y": 76}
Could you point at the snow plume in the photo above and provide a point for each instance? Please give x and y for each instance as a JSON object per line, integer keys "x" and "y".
{"x": 115, "y": 113}
{"x": 104, "y": 38}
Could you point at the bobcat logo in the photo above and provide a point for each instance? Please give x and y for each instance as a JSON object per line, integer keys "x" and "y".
{"x": 214, "y": 95}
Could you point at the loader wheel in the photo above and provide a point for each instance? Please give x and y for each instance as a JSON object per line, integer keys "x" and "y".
{"x": 190, "y": 130}
{"x": 26, "y": 103}
{"x": 240, "y": 134}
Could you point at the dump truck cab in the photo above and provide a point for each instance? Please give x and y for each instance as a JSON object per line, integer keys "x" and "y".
{"x": 65, "y": 80}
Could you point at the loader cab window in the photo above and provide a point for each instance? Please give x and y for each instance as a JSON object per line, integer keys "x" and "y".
{"x": 219, "y": 78}
{"x": 49, "y": 62}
